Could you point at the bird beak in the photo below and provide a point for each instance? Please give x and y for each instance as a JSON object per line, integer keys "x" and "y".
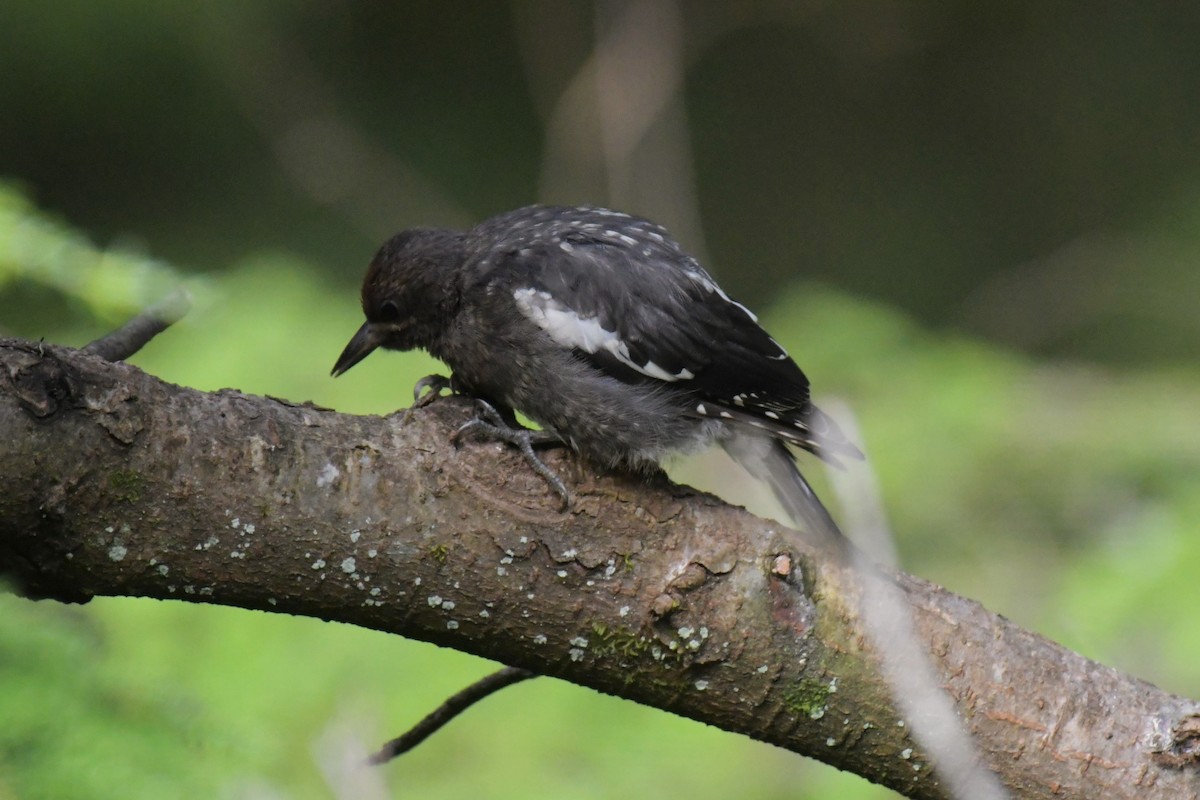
{"x": 364, "y": 342}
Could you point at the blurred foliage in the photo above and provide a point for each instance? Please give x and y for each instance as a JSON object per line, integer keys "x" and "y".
{"x": 45, "y": 259}
{"x": 79, "y": 723}
{"x": 965, "y": 188}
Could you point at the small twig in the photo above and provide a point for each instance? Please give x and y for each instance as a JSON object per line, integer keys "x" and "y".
{"x": 133, "y": 335}
{"x": 448, "y": 710}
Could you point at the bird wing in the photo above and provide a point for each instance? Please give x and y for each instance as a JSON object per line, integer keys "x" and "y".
{"x": 625, "y": 298}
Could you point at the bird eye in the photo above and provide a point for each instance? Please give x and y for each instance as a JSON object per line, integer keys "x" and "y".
{"x": 389, "y": 311}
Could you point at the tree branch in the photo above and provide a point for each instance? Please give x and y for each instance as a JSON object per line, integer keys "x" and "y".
{"x": 116, "y": 483}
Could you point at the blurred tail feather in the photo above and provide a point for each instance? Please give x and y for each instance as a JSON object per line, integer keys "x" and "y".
{"x": 768, "y": 460}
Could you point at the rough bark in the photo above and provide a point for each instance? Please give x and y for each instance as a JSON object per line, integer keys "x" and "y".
{"x": 116, "y": 483}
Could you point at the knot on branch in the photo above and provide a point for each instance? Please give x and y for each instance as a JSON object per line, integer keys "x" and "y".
{"x": 40, "y": 382}
{"x": 1181, "y": 747}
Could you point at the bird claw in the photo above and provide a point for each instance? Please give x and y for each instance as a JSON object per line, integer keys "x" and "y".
{"x": 425, "y": 391}
{"x": 430, "y": 388}
{"x": 491, "y": 425}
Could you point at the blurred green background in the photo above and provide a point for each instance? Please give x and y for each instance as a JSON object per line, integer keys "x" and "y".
{"x": 978, "y": 225}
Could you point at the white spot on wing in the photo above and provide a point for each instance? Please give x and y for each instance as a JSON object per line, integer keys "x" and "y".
{"x": 569, "y": 329}
{"x": 700, "y": 277}
{"x": 629, "y": 240}
{"x": 753, "y": 317}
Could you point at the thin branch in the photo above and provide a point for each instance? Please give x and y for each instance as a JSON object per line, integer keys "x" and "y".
{"x": 134, "y": 335}
{"x": 448, "y": 710}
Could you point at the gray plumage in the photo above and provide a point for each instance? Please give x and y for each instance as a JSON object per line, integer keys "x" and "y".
{"x": 598, "y": 326}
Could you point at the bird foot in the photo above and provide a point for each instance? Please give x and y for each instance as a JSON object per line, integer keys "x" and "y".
{"x": 490, "y": 424}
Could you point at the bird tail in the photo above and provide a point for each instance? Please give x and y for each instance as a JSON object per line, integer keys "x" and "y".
{"x": 767, "y": 459}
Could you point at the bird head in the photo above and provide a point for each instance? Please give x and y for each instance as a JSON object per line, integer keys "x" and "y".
{"x": 408, "y": 294}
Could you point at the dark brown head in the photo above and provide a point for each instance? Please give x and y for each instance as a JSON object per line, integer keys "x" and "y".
{"x": 409, "y": 295}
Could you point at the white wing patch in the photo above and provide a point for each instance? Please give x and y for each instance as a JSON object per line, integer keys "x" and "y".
{"x": 569, "y": 329}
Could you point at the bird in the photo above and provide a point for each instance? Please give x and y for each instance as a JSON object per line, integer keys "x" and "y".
{"x": 598, "y": 326}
